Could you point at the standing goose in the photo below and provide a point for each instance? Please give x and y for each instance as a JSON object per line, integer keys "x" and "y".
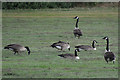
{"x": 60, "y": 45}
{"x": 16, "y": 48}
{"x": 87, "y": 47}
{"x": 73, "y": 56}
{"x": 108, "y": 56}
{"x": 77, "y": 32}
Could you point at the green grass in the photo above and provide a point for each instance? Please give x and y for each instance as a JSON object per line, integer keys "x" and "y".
{"x": 38, "y": 29}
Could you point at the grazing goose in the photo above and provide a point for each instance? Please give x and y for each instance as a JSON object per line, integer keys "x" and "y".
{"x": 87, "y": 47}
{"x": 108, "y": 56}
{"x": 60, "y": 45}
{"x": 77, "y": 32}
{"x": 73, "y": 56}
{"x": 16, "y": 48}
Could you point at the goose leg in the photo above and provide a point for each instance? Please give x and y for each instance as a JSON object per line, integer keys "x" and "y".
{"x": 106, "y": 59}
{"x": 63, "y": 51}
{"x": 14, "y": 53}
{"x": 75, "y": 60}
{"x": 78, "y": 37}
{"x": 75, "y": 35}
{"x": 61, "y": 48}
{"x": 113, "y": 62}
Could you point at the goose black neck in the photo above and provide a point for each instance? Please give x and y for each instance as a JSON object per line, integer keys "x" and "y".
{"x": 28, "y": 50}
{"x": 76, "y": 53}
{"x": 77, "y": 23}
{"x": 93, "y": 44}
{"x": 107, "y": 46}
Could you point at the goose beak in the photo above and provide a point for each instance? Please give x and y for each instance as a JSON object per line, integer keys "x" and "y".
{"x": 103, "y": 38}
{"x": 95, "y": 41}
{"x": 76, "y": 17}
{"x": 6, "y": 48}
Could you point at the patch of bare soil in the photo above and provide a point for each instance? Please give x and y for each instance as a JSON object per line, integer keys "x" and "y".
{"x": 89, "y": 59}
{"x": 67, "y": 68}
{"x": 10, "y": 74}
{"x": 111, "y": 67}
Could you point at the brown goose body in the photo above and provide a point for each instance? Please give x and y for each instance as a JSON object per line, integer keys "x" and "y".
{"x": 87, "y": 47}
{"x": 60, "y": 45}
{"x": 77, "y": 32}
{"x": 17, "y": 48}
{"x": 108, "y": 56}
{"x": 84, "y": 47}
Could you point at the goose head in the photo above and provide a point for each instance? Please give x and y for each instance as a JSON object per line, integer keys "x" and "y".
{"x": 6, "y": 47}
{"x": 107, "y": 46}
{"x": 76, "y": 55}
{"x": 106, "y": 37}
{"x": 93, "y": 44}
{"x": 28, "y": 49}
{"x": 95, "y": 41}
{"x": 76, "y": 17}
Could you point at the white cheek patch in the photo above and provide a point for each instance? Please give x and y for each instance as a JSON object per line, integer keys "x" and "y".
{"x": 106, "y": 38}
{"x": 77, "y": 17}
{"x": 59, "y": 47}
{"x": 77, "y": 57}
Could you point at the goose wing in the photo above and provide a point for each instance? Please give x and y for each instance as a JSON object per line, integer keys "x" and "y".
{"x": 14, "y": 46}
{"x": 83, "y": 47}
{"x": 59, "y": 43}
{"x": 11, "y": 45}
{"x": 66, "y": 55}
{"x": 77, "y": 31}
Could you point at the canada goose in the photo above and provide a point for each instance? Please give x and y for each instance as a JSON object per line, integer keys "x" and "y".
{"x": 16, "y": 48}
{"x": 73, "y": 56}
{"x": 77, "y": 32}
{"x": 87, "y": 47}
{"x": 108, "y": 56}
{"x": 60, "y": 45}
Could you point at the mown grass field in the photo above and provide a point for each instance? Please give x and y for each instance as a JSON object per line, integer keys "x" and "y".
{"x": 38, "y": 29}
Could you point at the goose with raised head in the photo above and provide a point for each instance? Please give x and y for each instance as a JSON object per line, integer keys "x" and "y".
{"x": 108, "y": 56}
{"x": 17, "y": 48}
{"x": 60, "y": 45}
{"x": 87, "y": 47}
{"x": 77, "y": 32}
{"x": 72, "y": 56}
